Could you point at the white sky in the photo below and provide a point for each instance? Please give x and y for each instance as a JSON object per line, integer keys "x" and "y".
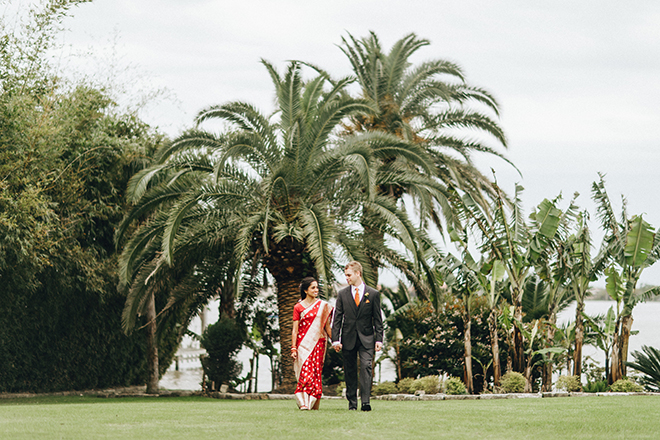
{"x": 578, "y": 81}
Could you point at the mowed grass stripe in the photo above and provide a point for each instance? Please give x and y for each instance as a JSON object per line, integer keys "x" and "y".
{"x": 629, "y": 417}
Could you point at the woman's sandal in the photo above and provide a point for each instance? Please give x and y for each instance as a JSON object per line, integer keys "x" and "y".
{"x": 303, "y": 408}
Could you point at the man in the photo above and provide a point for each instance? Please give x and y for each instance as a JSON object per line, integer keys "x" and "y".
{"x": 357, "y": 329}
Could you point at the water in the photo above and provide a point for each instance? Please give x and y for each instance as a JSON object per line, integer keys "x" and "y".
{"x": 189, "y": 376}
{"x": 645, "y": 320}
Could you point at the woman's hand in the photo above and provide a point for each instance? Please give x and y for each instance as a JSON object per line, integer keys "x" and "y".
{"x": 294, "y": 353}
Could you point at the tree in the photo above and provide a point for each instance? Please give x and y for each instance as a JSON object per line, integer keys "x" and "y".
{"x": 514, "y": 243}
{"x": 463, "y": 283}
{"x": 428, "y": 104}
{"x": 630, "y": 245}
{"x": 602, "y": 334}
{"x": 470, "y": 277}
{"x": 280, "y": 192}
{"x": 553, "y": 269}
{"x": 66, "y": 154}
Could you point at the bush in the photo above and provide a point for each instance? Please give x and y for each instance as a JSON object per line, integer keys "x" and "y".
{"x": 599, "y": 386}
{"x": 405, "y": 384}
{"x": 384, "y": 388}
{"x": 626, "y": 386}
{"x": 454, "y": 386}
{"x": 513, "y": 382}
{"x": 569, "y": 383}
{"x": 647, "y": 362}
{"x": 433, "y": 339}
{"x": 428, "y": 384}
{"x": 222, "y": 341}
{"x": 340, "y": 388}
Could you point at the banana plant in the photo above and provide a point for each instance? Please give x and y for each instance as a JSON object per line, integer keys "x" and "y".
{"x": 552, "y": 269}
{"x": 488, "y": 275}
{"x": 629, "y": 246}
{"x": 602, "y": 331}
{"x": 509, "y": 239}
{"x": 462, "y": 279}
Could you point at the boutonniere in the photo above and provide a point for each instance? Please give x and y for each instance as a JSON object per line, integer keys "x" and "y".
{"x": 366, "y": 297}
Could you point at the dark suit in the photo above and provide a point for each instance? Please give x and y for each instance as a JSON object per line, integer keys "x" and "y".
{"x": 358, "y": 329}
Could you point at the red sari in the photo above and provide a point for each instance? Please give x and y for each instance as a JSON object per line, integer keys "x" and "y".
{"x": 311, "y": 344}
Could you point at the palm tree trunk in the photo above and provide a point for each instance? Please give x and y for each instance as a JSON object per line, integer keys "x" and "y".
{"x": 152, "y": 347}
{"x": 494, "y": 347}
{"x": 547, "y": 367}
{"x": 468, "y": 355}
{"x": 528, "y": 375}
{"x": 607, "y": 365}
{"x": 256, "y": 374}
{"x": 615, "y": 360}
{"x": 518, "y": 358}
{"x": 287, "y": 297}
{"x": 626, "y": 325}
{"x": 226, "y": 293}
{"x": 518, "y": 349}
{"x": 579, "y": 339}
{"x": 377, "y": 237}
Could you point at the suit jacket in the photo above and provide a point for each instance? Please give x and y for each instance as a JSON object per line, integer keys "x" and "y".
{"x": 352, "y": 322}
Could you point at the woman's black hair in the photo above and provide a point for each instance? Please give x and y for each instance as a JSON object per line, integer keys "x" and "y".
{"x": 304, "y": 285}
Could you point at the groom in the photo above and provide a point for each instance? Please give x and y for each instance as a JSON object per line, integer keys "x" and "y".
{"x": 357, "y": 329}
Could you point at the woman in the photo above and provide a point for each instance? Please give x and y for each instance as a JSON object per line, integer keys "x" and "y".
{"x": 311, "y": 325}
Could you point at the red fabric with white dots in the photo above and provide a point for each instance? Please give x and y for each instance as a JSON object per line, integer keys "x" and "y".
{"x": 310, "y": 363}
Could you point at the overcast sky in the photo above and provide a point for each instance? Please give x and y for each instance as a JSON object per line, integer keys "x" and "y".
{"x": 578, "y": 81}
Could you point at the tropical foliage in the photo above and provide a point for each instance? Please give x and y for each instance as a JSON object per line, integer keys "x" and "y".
{"x": 430, "y": 105}
{"x": 267, "y": 196}
{"x": 66, "y": 154}
{"x": 647, "y": 362}
{"x": 270, "y": 198}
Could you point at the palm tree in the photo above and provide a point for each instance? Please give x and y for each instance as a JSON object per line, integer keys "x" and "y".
{"x": 428, "y": 104}
{"x": 648, "y": 363}
{"x": 278, "y": 189}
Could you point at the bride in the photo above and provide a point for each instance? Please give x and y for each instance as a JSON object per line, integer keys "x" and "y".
{"x": 311, "y": 325}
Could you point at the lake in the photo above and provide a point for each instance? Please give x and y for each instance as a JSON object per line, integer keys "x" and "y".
{"x": 646, "y": 320}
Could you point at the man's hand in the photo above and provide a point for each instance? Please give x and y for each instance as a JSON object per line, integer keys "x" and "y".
{"x": 337, "y": 347}
{"x": 379, "y": 346}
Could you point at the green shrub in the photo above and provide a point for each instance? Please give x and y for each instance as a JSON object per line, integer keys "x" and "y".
{"x": 647, "y": 362}
{"x": 569, "y": 383}
{"x": 405, "y": 384}
{"x": 626, "y": 386}
{"x": 513, "y": 382}
{"x": 340, "y": 388}
{"x": 222, "y": 341}
{"x": 599, "y": 386}
{"x": 428, "y": 384}
{"x": 454, "y": 386}
{"x": 384, "y": 388}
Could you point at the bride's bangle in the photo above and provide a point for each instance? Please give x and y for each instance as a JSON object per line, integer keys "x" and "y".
{"x": 294, "y": 349}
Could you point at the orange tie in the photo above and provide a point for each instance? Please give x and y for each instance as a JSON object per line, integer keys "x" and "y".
{"x": 357, "y": 297}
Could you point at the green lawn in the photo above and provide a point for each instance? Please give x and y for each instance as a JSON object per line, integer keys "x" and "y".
{"x": 199, "y": 418}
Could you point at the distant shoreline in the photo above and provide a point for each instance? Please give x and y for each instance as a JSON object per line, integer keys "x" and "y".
{"x": 600, "y": 294}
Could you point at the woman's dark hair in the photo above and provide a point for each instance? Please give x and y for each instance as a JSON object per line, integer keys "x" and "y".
{"x": 304, "y": 285}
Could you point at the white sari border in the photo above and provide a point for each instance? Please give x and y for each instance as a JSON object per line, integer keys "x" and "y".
{"x": 313, "y": 334}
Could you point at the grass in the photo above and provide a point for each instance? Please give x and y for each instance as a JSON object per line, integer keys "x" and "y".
{"x": 71, "y": 417}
